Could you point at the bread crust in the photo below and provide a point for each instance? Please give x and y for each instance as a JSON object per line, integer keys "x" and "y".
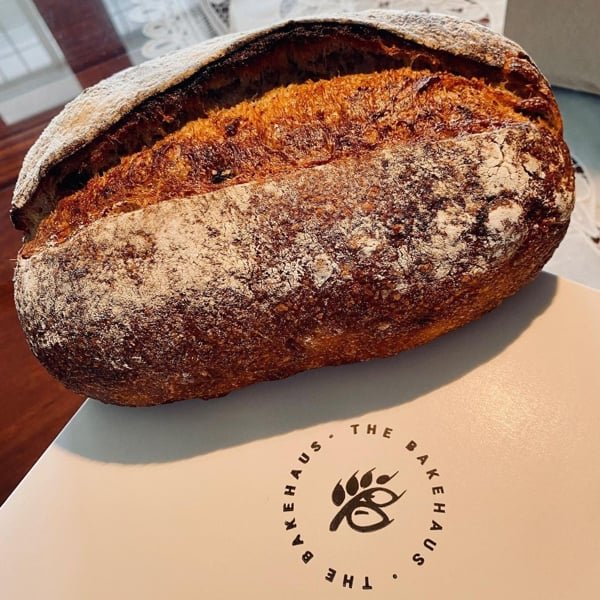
{"x": 289, "y": 128}
{"x": 199, "y": 296}
{"x": 362, "y": 257}
{"x": 105, "y": 105}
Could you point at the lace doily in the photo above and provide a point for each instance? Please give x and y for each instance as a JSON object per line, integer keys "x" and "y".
{"x": 578, "y": 256}
{"x": 169, "y": 25}
{"x": 473, "y": 10}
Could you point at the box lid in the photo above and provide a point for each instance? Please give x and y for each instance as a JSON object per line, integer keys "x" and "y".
{"x": 467, "y": 468}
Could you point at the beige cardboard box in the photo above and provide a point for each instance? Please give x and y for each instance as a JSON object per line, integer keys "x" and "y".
{"x": 562, "y": 37}
{"x": 466, "y": 469}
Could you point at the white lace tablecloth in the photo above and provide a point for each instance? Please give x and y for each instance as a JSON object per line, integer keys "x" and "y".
{"x": 168, "y": 25}
{"x": 172, "y": 24}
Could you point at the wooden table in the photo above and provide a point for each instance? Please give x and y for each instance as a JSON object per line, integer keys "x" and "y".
{"x": 34, "y": 406}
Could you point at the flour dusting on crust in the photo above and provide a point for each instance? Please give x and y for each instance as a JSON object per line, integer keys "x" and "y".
{"x": 234, "y": 250}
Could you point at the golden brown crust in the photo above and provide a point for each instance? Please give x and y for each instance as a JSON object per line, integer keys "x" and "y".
{"x": 288, "y": 128}
{"x": 335, "y": 238}
{"x": 290, "y": 53}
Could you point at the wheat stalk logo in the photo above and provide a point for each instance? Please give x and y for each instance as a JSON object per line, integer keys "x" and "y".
{"x": 361, "y": 503}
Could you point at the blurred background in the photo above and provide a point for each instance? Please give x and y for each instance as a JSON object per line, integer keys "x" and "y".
{"x": 52, "y": 49}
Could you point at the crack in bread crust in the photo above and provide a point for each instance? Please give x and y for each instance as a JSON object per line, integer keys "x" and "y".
{"x": 106, "y": 124}
{"x": 289, "y": 128}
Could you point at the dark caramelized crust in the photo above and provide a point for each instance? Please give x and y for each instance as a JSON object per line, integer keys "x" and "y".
{"x": 277, "y": 106}
{"x": 287, "y": 128}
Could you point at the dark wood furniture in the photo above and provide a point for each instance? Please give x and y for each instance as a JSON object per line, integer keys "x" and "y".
{"x": 33, "y": 406}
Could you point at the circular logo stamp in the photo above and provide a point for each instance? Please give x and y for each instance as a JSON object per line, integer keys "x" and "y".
{"x": 363, "y": 506}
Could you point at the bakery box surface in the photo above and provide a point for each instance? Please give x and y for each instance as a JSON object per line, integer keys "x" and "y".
{"x": 467, "y": 468}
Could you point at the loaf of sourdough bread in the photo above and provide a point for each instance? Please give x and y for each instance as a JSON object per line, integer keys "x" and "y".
{"x": 325, "y": 191}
